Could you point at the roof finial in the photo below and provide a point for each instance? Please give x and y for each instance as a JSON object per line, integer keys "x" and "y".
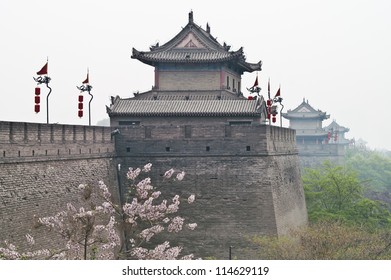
{"x": 191, "y": 17}
{"x": 207, "y": 28}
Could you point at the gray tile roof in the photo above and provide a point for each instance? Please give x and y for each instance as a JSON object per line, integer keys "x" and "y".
{"x": 305, "y": 110}
{"x": 209, "y": 51}
{"x": 133, "y": 107}
{"x": 186, "y": 56}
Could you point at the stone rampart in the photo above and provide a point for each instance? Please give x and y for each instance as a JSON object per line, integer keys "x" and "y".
{"x": 41, "y": 167}
{"x": 246, "y": 180}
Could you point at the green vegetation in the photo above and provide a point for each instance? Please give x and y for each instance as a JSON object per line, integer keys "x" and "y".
{"x": 372, "y": 167}
{"x": 335, "y": 193}
{"x": 327, "y": 241}
{"x": 349, "y": 214}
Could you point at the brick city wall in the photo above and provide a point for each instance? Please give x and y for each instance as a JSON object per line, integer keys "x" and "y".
{"x": 41, "y": 167}
{"x": 246, "y": 180}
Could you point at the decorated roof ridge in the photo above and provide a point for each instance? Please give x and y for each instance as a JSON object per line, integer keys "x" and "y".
{"x": 206, "y": 48}
{"x": 207, "y": 40}
{"x": 305, "y": 104}
{"x": 305, "y": 110}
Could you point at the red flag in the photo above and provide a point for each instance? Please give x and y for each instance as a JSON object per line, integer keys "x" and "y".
{"x": 278, "y": 93}
{"x": 44, "y": 70}
{"x": 256, "y": 82}
{"x": 86, "y": 81}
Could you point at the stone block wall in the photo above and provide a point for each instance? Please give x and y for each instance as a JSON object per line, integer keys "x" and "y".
{"x": 245, "y": 178}
{"x": 247, "y": 183}
{"x": 41, "y": 167}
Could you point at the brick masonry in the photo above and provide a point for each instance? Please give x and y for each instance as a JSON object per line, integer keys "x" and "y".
{"x": 246, "y": 178}
{"x": 41, "y": 167}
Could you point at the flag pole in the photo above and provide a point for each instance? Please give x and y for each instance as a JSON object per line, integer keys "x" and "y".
{"x": 87, "y": 87}
{"x": 45, "y": 79}
{"x": 268, "y": 96}
{"x": 282, "y": 107}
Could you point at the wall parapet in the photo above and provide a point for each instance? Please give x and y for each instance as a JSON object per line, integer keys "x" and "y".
{"x": 204, "y": 140}
{"x": 20, "y": 141}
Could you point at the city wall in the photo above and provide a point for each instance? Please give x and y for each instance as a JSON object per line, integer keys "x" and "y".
{"x": 246, "y": 180}
{"x": 41, "y": 166}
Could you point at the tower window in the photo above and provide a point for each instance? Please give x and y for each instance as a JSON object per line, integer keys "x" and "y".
{"x": 227, "y": 82}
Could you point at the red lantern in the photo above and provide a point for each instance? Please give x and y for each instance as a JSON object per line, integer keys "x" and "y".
{"x": 328, "y": 135}
{"x": 250, "y": 98}
{"x": 268, "y": 116}
{"x": 269, "y": 103}
{"x": 80, "y": 107}
{"x": 274, "y": 119}
{"x": 37, "y": 99}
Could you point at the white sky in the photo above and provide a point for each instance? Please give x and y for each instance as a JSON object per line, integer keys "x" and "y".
{"x": 335, "y": 53}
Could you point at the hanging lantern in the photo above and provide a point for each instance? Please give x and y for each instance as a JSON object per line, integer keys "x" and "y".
{"x": 80, "y": 106}
{"x": 274, "y": 119}
{"x": 37, "y": 100}
{"x": 250, "y": 98}
{"x": 268, "y": 116}
{"x": 269, "y": 103}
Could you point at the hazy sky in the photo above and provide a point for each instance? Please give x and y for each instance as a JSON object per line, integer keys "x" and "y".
{"x": 335, "y": 53}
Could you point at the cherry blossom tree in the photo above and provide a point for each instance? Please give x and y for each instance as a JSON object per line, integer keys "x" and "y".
{"x": 99, "y": 228}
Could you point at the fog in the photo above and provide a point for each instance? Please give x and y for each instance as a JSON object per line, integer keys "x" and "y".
{"x": 334, "y": 53}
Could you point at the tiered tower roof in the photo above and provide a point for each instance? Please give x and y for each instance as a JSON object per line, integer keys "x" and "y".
{"x": 305, "y": 111}
{"x": 195, "y": 45}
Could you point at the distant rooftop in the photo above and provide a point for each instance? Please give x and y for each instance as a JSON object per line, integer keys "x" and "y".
{"x": 305, "y": 110}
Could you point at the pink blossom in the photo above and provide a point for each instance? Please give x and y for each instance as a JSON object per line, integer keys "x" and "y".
{"x": 30, "y": 239}
{"x": 176, "y": 224}
{"x": 148, "y": 233}
{"x": 191, "y": 226}
{"x": 180, "y": 176}
{"x": 191, "y": 199}
{"x": 133, "y": 174}
{"x": 147, "y": 167}
{"x": 169, "y": 173}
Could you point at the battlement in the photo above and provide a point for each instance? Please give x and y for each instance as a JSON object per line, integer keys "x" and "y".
{"x": 20, "y": 141}
{"x": 205, "y": 140}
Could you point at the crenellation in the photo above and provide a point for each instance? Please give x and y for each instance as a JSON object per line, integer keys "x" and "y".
{"x": 31, "y": 140}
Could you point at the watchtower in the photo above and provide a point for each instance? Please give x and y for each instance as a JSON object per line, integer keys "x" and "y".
{"x": 245, "y": 174}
